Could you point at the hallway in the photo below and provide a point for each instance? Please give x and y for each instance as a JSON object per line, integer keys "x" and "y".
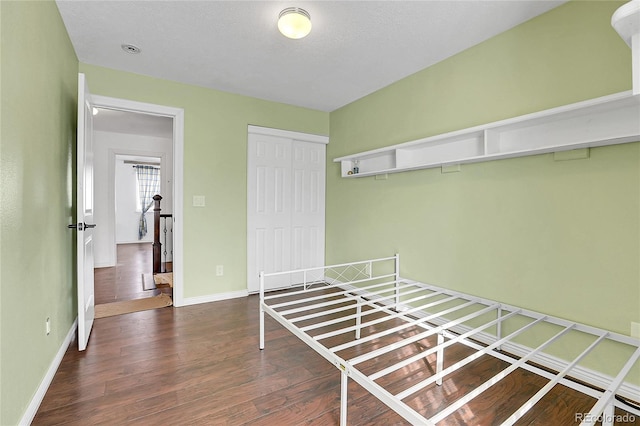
{"x": 124, "y": 281}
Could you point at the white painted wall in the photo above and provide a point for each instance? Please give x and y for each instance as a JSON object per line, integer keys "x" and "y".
{"x": 106, "y": 146}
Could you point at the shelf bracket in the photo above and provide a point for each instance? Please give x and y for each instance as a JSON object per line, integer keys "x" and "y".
{"x": 573, "y": 154}
{"x": 451, "y": 168}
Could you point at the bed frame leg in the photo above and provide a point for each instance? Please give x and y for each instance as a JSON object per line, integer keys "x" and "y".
{"x": 439, "y": 359}
{"x": 608, "y": 415}
{"x": 261, "y": 328}
{"x": 261, "y": 275}
{"x": 397, "y": 278}
{"x": 499, "y": 328}
{"x": 358, "y": 316}
{"x": 343, "y": 398}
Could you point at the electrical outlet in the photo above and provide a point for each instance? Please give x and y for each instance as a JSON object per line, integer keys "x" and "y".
{"x": 635, "y": 329}
{"x": 219, "y": 270}
{"x": 47, "y": 326}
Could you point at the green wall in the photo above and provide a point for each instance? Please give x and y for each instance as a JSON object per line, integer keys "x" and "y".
{"x": 37, "y": 144}
{"x": 560, "y": 237}
{"x": 39, "y": 97}
{"x": 215, "y": 165}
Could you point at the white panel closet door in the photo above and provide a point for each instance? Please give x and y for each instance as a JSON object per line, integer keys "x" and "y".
{"x": 269, "y": 206}
{"x": 285, "y": 206}
{"x": 307, "y": 212}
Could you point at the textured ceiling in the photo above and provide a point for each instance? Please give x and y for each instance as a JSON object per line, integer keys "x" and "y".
{"x": 354, "y": 49}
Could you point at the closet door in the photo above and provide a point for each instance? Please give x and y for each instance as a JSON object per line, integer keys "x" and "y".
{"x": 285, "y": 205}
{"x": 269, "y": 207}
{"x": 307, "y": 206}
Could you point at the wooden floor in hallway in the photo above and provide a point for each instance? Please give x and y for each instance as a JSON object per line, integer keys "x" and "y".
{"x": 124, "y": 281}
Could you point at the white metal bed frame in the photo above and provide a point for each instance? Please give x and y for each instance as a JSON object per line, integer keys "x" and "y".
{"x": 357, "y": 286}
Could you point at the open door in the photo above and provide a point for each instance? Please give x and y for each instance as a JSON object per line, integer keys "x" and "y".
{"x": 85, "y": 225}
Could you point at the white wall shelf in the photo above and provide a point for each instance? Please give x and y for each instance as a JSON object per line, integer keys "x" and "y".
{"x": 608, "y": 120}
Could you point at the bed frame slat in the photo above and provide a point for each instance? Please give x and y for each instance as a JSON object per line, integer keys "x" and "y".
{"x": 546, "y": 388}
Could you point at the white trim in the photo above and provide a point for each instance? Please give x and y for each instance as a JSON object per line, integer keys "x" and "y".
{"x": 134, "y": 106}
{"x": 214, "y": 297}
{"x": 178, "y": 208}
{"x": 178, "y": 177}
{"x": 299, "y": 136}
{"x": 32, "y": 409}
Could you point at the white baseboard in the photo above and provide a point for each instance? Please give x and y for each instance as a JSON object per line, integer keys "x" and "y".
{"x": 213, "y": 298}
{"x": 32, "y": 409}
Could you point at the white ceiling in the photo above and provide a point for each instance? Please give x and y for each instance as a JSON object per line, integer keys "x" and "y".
{"x": 354, "y": 49}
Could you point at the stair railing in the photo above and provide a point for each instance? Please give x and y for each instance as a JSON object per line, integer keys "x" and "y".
{"x": 159, "y": 231}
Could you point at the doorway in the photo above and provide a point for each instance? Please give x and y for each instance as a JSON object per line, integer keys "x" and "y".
{"x": 129, "y": 133}
{"x": 124, "y": 249}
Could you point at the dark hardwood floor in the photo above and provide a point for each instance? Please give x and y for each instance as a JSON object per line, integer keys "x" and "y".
{"x": 200, "y": 365}
{"x": 124, "y": 281}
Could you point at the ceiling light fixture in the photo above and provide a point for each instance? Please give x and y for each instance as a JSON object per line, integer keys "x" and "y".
{"x": 130, "y": 48}
{"x": 294, "y": 22}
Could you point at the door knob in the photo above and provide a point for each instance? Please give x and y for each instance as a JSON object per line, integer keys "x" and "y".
{"x": 81, "y": 226}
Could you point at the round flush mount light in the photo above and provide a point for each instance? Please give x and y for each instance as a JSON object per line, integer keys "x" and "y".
{"x": 294, "y": 22}
{"x": 130, "y": 48}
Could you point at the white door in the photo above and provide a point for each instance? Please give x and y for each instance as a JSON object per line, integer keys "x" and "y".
{"x": 269, "y": 207}
{"x": 285, "y": 205}
{"x": 307, "y": 206}
{"x": 85, "y": 225}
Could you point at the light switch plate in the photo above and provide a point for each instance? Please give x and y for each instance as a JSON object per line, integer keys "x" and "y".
{"x": 198, "y": 201}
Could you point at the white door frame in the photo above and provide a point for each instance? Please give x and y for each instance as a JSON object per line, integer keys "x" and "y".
{"x": 178, "y": 176}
